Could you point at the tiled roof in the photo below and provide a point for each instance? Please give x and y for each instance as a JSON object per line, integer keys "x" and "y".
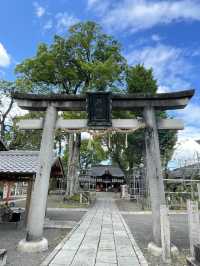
{"x": 19, "y": 161}
{"x": 107, "y": 169}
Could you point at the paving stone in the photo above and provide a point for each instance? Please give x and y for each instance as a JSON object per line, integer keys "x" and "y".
{"x": 64, "y": 257}
{"x": 105, "y": 264}
{"x": 125, "y": 251}
{"x": 105, "y": 245}
{"x": 108, "y": 256}
{"x": 102, "y": 239}
{"x": 128, "y": 261}
{"x": 107, "y": 231}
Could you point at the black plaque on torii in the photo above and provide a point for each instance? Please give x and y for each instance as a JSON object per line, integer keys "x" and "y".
{"x": 99, "y": 109}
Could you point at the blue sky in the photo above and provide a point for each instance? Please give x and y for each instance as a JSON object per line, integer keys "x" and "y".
{"x": 164, "y": 35}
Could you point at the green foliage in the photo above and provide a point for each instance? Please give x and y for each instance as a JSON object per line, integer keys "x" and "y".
{"x": 26, "y": 139}
{"x": 167, "y": 140}
{"x": 75, "y": 197}
{"x": 89, "y": 60}
{"x": 93, "y": 156}
{"x": 86, "y": 60}
{"x": 140, "y": 80}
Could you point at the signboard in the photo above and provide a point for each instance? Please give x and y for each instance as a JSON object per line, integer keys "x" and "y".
{"x": 99, "y": 109}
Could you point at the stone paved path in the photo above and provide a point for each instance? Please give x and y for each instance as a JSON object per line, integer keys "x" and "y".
{"x": 102, "y": 239}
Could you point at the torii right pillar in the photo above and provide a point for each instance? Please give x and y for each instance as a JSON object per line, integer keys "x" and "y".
{"x": 167, "y": 101}
{"x": 154, "y": 170}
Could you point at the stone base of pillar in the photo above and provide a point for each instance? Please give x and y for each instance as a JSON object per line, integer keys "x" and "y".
{"x": 156, "y": 251}
{"x": 194, "y": 261}
{"x": 33, "y": 246}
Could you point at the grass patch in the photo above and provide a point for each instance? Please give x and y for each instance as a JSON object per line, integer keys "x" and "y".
{"x": 68, "y": 205}
{"x": 75, "y": 197}
{"x": 72, "y": 202}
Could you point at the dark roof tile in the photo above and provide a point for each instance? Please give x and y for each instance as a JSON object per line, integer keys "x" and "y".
{"x": 107, "y": 169}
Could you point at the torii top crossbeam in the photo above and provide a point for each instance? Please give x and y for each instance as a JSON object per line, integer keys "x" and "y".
{"x": 63, "y": 102}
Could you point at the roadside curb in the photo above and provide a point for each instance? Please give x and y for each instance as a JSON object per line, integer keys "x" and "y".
{"x": 68, "y": 209}
{"x": 148, "y": 212}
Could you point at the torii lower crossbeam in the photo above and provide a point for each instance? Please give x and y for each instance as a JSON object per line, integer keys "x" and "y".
{"x": 77, "y": 124}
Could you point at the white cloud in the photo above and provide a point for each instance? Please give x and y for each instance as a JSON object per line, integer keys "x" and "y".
{"x": 190, "y": 114}
{"x": 64, "y": 21}
{"x": 163, "y": 89}
{"x": 169, "y": 64}
{"x": 91, "y": 3}
{"x": 4, "y": 56}
{"x": 15, "y": 111}
{"x": 135, "y": 15}
{"x": 196, "y": 52}
{"x": 48, "y": 25}
{"x": 100, "y": 6}
{"x": 189, "y": 132}
{"x": 186, "y": 147}
{"x": 155, "y": 38}
{"x": 39, "y": 10}
{"x": 187, "y": 152}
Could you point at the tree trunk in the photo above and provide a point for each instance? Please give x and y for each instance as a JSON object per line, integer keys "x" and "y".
{"x": 73, "y": 164}
{"x": 3, "y": 119}
{"x": 76, "y": 163}
{"x": 69, "y": 165}
{"x": 2, "y": 130}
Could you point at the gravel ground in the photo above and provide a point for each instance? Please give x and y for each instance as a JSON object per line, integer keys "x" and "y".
{"x": 139, "y": 224}
{"x": 141, "y": 228}
{"x": 56, "y": 201}
{"x": 127, "y": 205}
{"x": 65, "y": 215}
{"x": 10, "y": 236}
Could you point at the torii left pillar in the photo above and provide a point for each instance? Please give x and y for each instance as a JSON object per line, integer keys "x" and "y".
{"x": 34, "y": 241}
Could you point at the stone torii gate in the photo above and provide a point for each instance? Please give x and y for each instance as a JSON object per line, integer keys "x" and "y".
{"x": 99, "y": 117}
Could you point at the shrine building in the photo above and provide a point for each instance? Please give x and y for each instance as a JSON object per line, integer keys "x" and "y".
{"x": 102, "y": 178}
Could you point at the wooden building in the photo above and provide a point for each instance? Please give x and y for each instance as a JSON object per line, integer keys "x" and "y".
{"x": 20, "y": 167}
{"x": 102, "y": 178}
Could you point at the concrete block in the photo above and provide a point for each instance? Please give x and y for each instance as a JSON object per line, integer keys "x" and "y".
{"x": 33, "y": 246}
{"x": 192, "y": 262}
{"x": 156, "y": 251}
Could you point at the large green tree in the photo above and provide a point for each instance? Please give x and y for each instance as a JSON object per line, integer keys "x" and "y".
{"x": 86, "y": 60}
{"x": 89, "y": 60}
{"x": 140, "y": 80}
